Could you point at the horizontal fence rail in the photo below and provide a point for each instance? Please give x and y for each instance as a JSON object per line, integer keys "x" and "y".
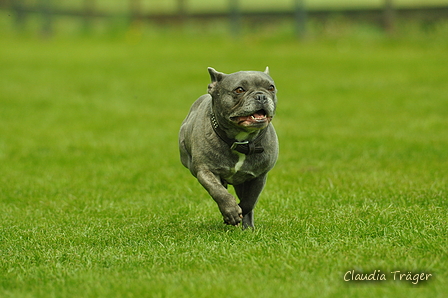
{"x": 384, "y": 16}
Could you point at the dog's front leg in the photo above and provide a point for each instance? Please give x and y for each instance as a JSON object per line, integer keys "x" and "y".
{"x": 230, "y": 210}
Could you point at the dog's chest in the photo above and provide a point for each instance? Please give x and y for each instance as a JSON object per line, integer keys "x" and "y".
{"x": 236, "y": 173}
{"x": 239, "y": 163}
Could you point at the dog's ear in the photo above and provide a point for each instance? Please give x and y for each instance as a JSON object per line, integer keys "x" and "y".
{"x": 266, "y": 71}
{"x": 216, "y": 77}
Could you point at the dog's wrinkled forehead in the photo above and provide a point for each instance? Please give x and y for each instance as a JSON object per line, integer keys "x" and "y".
{"x": 247, "y": 79}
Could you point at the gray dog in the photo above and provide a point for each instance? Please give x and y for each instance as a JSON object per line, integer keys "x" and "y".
{"x": 228, "y": 138}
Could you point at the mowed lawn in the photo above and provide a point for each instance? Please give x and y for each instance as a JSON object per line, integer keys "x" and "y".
{"x": 95, "y": 203}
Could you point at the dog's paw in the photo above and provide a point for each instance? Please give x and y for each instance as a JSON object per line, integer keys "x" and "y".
{"x": 232, "y": 215}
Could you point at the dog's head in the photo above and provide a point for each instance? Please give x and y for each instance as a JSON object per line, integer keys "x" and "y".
{"x": 245, "y": 100}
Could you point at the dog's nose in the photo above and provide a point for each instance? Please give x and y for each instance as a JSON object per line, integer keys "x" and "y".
{"x": 260, "y": 97}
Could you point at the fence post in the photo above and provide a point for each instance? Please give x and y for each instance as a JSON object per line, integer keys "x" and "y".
{"x": 389, "y": 16}
{"x": 20, "y": 14}
{"x": 47, "y": 17}
{"x": 135, "y": 15}
{"x": 89, "y": 8}
{"x": 235, "y": 17}
{"x": 182, "y": 10}
{"x": 300, "y": 18}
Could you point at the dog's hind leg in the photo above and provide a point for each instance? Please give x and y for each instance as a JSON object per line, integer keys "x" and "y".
{"x": 248, "y": 220}
{"x": 248, "y": 193}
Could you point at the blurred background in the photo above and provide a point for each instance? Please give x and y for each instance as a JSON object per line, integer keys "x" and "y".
{"x": 297, "y": 17}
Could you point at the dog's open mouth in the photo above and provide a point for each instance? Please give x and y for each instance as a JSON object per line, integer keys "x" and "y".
{"x": 259, "y": 117}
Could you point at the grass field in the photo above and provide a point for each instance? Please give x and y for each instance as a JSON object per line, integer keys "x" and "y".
{"x": 95, "y": 203}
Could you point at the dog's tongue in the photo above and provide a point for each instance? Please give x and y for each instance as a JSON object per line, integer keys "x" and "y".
{"x": 258, "y": 115}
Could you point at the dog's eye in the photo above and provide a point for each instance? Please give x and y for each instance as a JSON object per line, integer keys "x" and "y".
{"x": 271, "y": 88}
{"x": 239, "y": 90}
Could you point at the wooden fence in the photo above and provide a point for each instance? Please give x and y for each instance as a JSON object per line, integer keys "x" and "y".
{"x": 47, "y": 10}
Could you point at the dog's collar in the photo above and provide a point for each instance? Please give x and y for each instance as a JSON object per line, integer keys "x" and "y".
{"x": 245, "y": 147}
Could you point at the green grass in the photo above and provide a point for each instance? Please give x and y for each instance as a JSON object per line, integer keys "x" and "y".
{"x": 95, "y": 203}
